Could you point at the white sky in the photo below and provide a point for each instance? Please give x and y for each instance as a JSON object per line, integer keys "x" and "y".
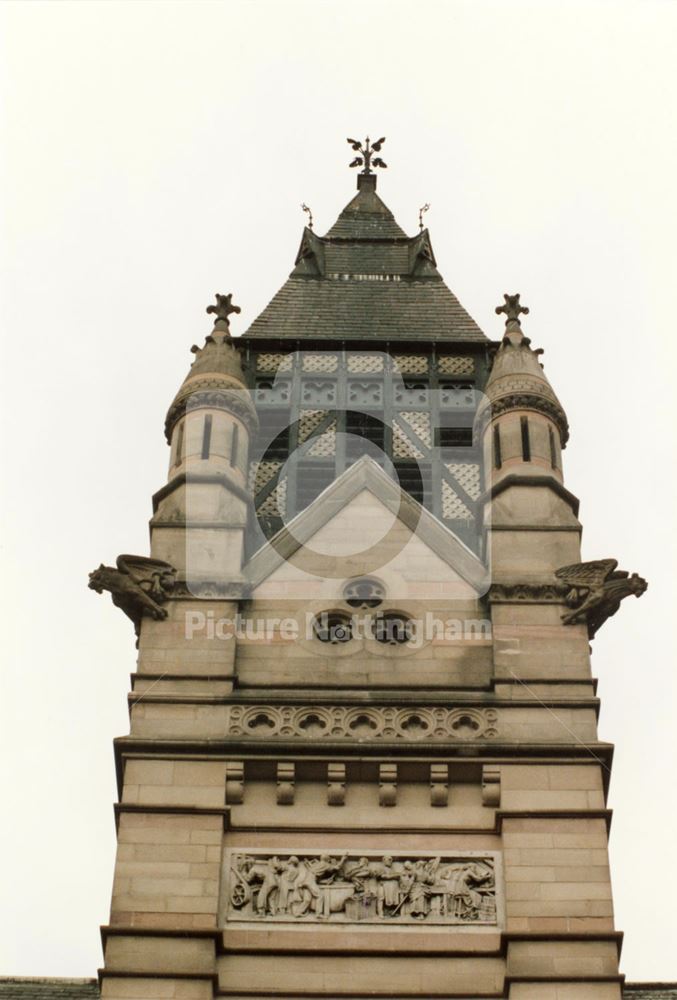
{"x": 155, "y": 153}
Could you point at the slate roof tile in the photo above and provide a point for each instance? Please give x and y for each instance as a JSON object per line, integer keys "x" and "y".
{"x": 650, "y": 991}
{"x": 369, "y": 280}
{"x": 366, "y": 310}
{"x": 52, "y": 988}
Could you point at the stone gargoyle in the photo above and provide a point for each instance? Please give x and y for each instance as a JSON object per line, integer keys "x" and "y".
{"x": 138, "y": 586}
{"x": 596, "y": 591}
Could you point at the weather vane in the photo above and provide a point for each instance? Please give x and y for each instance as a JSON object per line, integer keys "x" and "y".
{"x": 310, "y": 214}
{"x": 421, "y": 211}
{"x": 366, "y": 152}
{"x": 512, "y": 309}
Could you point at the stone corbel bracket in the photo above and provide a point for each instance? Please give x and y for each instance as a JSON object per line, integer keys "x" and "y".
{"x": 336, "y": 784}
{"x": 234, "y": 783}
{"x": 286, "y": 774}
{"x": 439, "y": 784}
{"x": 387, "y": 780}
{"x": 491, "y": 786}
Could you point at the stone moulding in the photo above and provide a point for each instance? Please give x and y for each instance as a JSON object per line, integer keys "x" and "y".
{"x": 344, "y": 722}
{"x": 529, "y": 593}
{"x": 370, "y": 887}
{"x": 526, "y": 400}
{"x": 212, "y": 393}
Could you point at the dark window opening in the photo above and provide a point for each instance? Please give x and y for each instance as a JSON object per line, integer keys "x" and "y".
{"x": 553, "y": 449}
{"x": 454, "y": 437}
{"x": 414, "y": 479}
{"x": 179, "y": 445}
{"x": 273, "y": 437}
{"x": 526, "y": 443}
{"x": 206, "y": 436}
{"x": 365, "y": 436}
{"x": 233, "y": 445}
{"x": 498, "y": 460}
{"x": 312, "y": 478}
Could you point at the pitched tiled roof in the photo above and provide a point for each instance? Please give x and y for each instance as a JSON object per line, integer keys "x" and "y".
{"x": 365, "y": 310}
{"x": 52, "y": 988}
{"x": 650, "y": 991}
{"x": 366, "y": 279}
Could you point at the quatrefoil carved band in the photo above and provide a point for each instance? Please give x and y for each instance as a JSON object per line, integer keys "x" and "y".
{"x": 358, "y": 723}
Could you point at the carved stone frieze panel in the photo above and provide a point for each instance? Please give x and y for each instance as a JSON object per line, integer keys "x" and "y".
{"x": 344, "y": 887}
{"x": 360, "y": 723}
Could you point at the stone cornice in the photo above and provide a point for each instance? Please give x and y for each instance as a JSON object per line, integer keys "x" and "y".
{"x": 527, "y": 401}
{"x": 214, "y": 393}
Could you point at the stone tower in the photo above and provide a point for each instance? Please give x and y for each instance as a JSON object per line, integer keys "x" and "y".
{"x": 363, "y": 758}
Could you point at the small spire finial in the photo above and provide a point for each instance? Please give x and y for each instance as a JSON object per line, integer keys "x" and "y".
{"x": 366, "y": 158}
{"x": 512, "y": 309}
{"x": 223, "y": 308}
{"x": 310, "y": 214}
{"x": 422, "y": 210}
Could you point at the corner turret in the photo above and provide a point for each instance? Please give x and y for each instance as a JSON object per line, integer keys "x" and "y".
{"x": 201, "y": 514}
{"x": 531, "y": 518}
{"x": 527, "y": 427}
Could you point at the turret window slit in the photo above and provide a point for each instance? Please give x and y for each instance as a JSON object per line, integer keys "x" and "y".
{"x": 206, "y": 436}
{"x": 178, "y": 458}
{"x": 498, "y": 460}
{"x": 526, "y": 443}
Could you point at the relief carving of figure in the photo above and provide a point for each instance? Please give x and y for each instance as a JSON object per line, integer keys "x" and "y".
{"x": 387, "y": 884}
{"x": 323, "y": 887}
{"x": 292, "y": 887}
{"x": 597, "y": 589}
{"x": 466, "y": 887}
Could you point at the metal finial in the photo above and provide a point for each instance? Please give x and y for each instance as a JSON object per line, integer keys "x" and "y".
{"x": 421, "y": 211}
{"x": 310, "y": 214}
{"x": 223, "y": 308}
{"x": 512, "y": 309}
{"x": 366, "y": 152}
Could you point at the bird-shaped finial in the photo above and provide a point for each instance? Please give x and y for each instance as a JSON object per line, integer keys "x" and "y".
{"x": 366, "y": 158}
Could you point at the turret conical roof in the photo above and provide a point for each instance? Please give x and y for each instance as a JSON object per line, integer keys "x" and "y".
{"x": 517, "y": 379}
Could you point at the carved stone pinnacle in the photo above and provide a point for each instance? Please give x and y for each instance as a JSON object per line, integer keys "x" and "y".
{"x": 512, "y": 309}
{"x": 223, "y": 308}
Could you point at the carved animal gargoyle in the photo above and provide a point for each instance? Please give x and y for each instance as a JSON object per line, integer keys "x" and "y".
{"x": 597, "y": 589}
{"x": 138, "y": 586}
